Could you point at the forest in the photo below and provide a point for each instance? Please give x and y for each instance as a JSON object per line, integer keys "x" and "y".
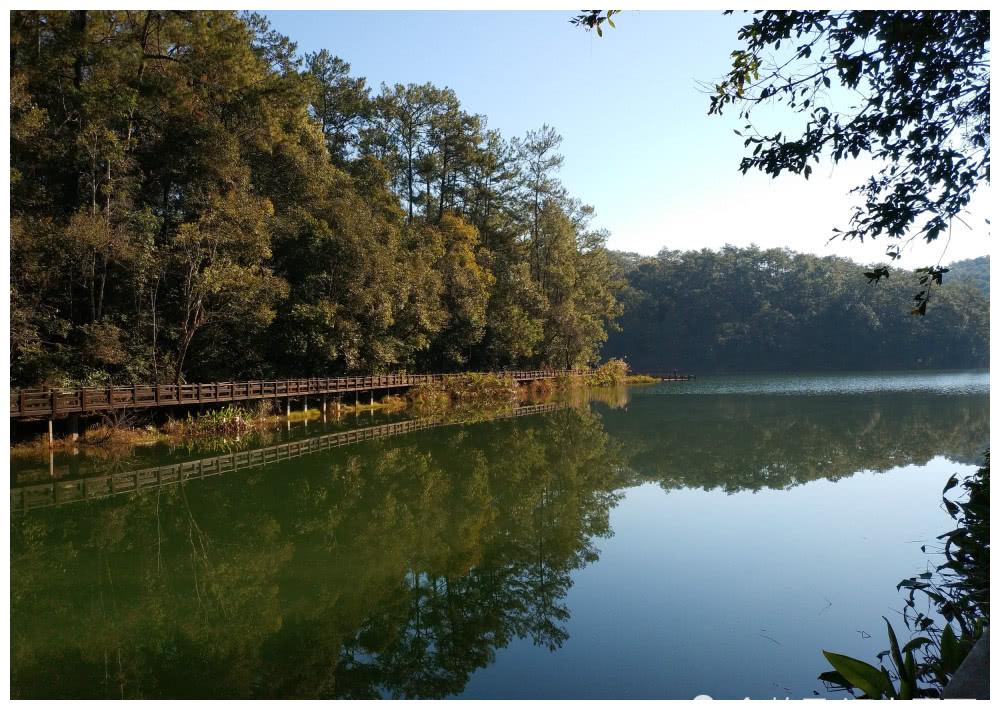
{"x": 193, "y": 200}
{"x": 751, "y": 309}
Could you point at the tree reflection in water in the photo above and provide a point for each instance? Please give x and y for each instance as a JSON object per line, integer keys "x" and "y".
{"x": 397, "y": 568}
{"x": 393, "y": 568}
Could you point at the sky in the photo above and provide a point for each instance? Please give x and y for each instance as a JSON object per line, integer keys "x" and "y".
{"x": 638, "y": 142}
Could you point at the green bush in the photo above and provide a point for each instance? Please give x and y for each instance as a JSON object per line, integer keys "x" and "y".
{"x": 610, "y": 374}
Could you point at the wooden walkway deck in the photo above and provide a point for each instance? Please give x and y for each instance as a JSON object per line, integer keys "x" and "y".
{"x": 48, "y": 403}
{"x": 42, "y": 495}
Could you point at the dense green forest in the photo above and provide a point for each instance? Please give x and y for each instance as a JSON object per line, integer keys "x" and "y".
{"x": 748, "y": 309}
{"x": 191, "y": 199}
{"x": 976, "y": 271}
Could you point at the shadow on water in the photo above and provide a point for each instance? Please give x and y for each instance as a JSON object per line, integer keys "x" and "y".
{"x": 399, "y": 567}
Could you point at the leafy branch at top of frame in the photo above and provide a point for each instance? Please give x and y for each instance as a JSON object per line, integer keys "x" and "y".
{"x": 593, "y": 19}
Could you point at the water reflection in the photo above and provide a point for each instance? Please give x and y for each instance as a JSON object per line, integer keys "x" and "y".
{"x": 748, "y": 443}
{"x": 392, "y": 568}
{"x": 399, "y": 567}
{"x": 118, "y": 479}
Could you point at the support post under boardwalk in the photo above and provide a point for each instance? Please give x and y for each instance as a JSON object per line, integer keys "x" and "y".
{"x": 74, "y": 427}
{"x": 51, "y": 442}
{"x": 305, "y": 404}
{"x": 288, "y": 406}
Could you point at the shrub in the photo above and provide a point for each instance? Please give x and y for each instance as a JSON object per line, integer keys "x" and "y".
{"x": 429, "y": 397}
{"x": 463, "y": 391}
{"x": 611, "y": 373}
{"x": 536, "y": 390}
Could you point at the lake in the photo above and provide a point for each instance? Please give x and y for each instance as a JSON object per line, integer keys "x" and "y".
{"x": 662, "y": 541}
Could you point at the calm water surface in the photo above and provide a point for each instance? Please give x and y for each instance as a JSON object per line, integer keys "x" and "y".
{"x": 659, "y": 542}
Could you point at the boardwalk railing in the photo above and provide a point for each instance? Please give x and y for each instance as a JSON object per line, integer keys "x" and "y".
{"x": 56, "y": 402}
{"x": 42, "y": 495}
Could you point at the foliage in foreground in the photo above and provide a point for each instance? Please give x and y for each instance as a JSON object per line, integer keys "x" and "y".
{"x": 959, "y": 593}
{"x": 909, "y": 89}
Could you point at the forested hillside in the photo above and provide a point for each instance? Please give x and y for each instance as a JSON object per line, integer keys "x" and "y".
{"x": 976, "y": 271}
{"x": 747, "y": 309}
{"x": 192, "y": 200}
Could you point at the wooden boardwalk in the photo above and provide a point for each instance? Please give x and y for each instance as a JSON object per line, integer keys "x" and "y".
{"x": 59, "y": 492}
{"x": 49, "y": 403}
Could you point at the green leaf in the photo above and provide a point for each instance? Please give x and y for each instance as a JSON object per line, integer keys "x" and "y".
{"x": 835, "y": 678}
{"x": 859, "y": 674}
{"x": 897, "y": 658}
{"x": 950, "y": 653}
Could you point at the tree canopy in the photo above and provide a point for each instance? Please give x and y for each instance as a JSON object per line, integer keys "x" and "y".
{"x": 751, "y": 309}
{"x": 192, "y": 200}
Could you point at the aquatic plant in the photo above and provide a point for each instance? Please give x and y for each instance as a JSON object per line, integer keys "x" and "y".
{"x": 959, "y": 590}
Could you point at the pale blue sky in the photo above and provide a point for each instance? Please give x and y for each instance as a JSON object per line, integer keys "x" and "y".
{"x": 637, "y": 140}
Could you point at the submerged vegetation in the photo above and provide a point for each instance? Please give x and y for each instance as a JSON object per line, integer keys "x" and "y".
{"x": 958, "y": 590}
{"x": 641, "y": 379}
{"x": 474, "y": 393}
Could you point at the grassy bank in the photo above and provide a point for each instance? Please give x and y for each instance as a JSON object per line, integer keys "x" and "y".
{"x": 641, "y": 379}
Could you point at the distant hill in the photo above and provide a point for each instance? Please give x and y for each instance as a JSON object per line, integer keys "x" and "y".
{"x": 975, "y": 270}
{"x": 746, "y": 309}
